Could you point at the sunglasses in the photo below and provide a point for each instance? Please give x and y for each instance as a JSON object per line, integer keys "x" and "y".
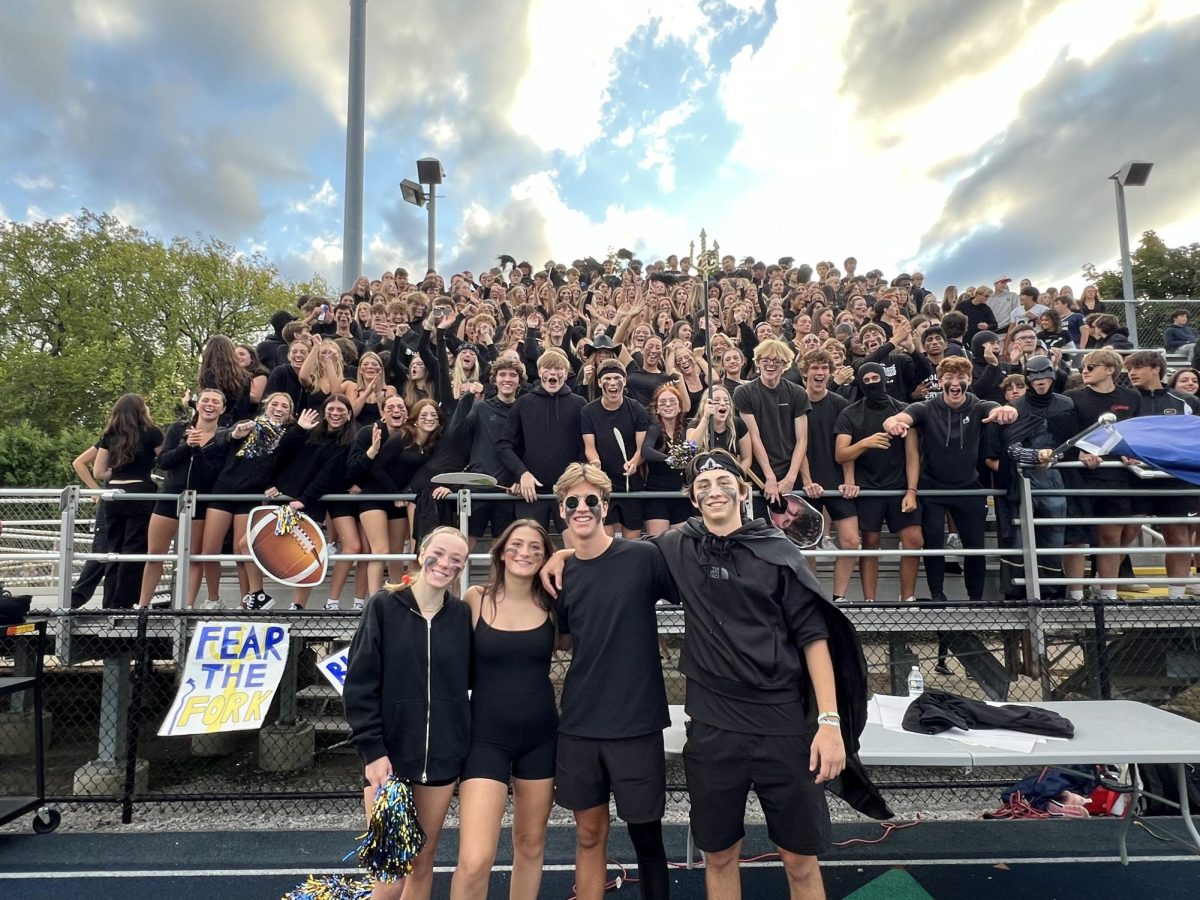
{"x": 572, "y": 503}
{"x": 1090, "y": 366}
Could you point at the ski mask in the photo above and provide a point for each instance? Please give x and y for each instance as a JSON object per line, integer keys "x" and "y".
{"x": 1038, "y": 368}
{"x": 874, "y": 394}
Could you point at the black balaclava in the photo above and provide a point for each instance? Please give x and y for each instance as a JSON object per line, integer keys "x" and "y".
{"x": 875, "y": 394}
{"x": 1038, "y": 367}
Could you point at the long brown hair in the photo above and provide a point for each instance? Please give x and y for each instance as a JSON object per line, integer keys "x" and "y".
{"x": 126, "y": 424}
{"x": 680, "y": 429}
{"x": 496, "y": 576}
{"x": 219, "y": 367}
{"x": 410, "y": 429}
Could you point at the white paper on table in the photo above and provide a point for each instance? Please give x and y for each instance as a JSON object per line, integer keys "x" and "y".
{"x": 888, "y": 711}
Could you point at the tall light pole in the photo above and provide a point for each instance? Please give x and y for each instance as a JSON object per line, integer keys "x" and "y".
{"x": 352, "y": 213}
{"x": 430, "y": 174}
{"x": 1134, "y": 173}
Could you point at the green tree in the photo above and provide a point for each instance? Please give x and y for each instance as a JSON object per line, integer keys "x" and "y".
{"x": 91, "y": 309}
{"x": 1159, "y": 272}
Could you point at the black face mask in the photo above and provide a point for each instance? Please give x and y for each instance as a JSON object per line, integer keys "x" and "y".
{"x": 1033, "y": 398}
{"x": 874, "y": 394}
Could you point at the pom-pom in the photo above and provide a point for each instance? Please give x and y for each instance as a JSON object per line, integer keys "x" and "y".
{"x": 394, "y": 836}
{"x": 333, "y": 887}
{"x": 262, "y": 440}
{"x": 680, "y": 453}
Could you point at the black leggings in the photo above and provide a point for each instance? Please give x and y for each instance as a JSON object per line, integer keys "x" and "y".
{"x": 647, "y": 838}
{"x": 970, "y": 515}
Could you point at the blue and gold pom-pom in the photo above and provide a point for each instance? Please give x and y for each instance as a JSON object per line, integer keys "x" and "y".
{"x": 286, "y": 520}
{"x": 394, "y": 836}
{"x": 334, "y": 887}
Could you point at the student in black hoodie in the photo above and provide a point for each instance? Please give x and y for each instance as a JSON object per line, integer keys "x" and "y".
{"x": 478, "y": 424}
{"x": 269, "y": 349}
{"x": 951, "y": 430}
{"x": 543, "y": 436}
{"x": 406, "y": 692}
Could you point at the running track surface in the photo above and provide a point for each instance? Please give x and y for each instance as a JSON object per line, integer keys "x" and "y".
{"x": 1030, "y": 860}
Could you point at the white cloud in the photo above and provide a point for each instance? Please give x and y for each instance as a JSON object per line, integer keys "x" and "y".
{"x": 624, "y": 138}
{"x": 108, "y": 20}
{"x": 660, "y": 151}
{"x": 441, "y": 132}
{"x": 130, "y": 214}
{"x": 324, "y": 197}
{"x": 383, "y": 253}
{"x": 38, "y": 183}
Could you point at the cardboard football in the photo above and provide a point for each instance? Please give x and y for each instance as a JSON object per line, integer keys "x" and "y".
{"x": 298, "y": 557}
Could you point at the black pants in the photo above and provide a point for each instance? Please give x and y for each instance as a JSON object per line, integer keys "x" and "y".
{"x": 93, "y": 569}
{"x": 128, "y": 521}
{"x": 970, "y": 515}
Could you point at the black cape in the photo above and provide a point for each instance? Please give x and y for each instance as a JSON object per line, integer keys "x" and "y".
{"x": 680, "y": 547}
{"x": 935, "y": 711}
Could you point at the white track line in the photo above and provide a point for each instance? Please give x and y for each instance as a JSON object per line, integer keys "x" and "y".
{"x": 445, "y": 870}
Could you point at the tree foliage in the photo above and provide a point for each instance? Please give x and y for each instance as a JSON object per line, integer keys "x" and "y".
{"x": 1159, "y": 272}
{"x": 91, "y": 309}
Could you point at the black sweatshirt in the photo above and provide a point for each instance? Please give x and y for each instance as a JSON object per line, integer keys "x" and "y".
{"x": 950, "y": 441}
{"x": 543, "y": 434}
{"x": 189, "y": 468}
{"x": 406, "y": 686}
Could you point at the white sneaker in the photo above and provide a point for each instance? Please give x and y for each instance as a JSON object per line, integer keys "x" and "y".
{"x": 332, "y": 606}
{"x": 1192, "y": 590}
{"x": 295, "y": 607}
{"x": 247, "y": 602}
{"x": 828, "y": 543}
{"x": 360, "y": 605}
{"x": 953, "y": 542}
{"x": 1139, "y": 587}
{"x": 210, "y": 604}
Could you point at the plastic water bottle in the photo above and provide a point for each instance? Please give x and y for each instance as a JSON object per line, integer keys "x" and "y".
{"x": 916, "y": 683}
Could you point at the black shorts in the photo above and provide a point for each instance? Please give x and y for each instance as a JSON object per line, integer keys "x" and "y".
{"x": 168, "y": 509}
{"x": 721, "y": 767}
{"x": 499, "y": 513}
{"x": 839, "y": 507}
{"x": 544, "y": 512}
{"x": 236, "y": 507}
{"x": 385, "y": 506}
{"x": 499, "y": 762}
{"x": 626, "y": 513}
{"x": 673, "y": 510}
{"x": 1162, "y": 505}
{"x": 342, "y": 509}
{"x": 874, "y": 511}
{"x": 1086, "y": 507}
{"x": 633, "y": 770}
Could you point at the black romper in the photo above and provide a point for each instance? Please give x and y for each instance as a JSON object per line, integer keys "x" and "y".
{"x": 514, "y": 722}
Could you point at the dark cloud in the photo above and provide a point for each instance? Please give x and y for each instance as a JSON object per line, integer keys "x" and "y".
{"x": 1045, "y": 177}
{"x": 899, "y": 55}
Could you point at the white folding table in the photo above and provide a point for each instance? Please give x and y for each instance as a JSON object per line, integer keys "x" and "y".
{"x": 1114, "y": 732}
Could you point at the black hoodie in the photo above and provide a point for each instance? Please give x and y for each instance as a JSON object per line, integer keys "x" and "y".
{"x": 543, "y": 434}
{"x": 406, "y": 686}
{"x": 752, "y": 603}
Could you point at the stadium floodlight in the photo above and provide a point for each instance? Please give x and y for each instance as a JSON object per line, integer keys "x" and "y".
{"x": 412, "y": 192}
{"x": 1134, "y": 173}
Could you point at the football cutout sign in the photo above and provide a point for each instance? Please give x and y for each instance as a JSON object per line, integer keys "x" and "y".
{"x": 287, "y": 545}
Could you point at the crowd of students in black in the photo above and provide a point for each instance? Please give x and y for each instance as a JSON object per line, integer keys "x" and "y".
{"x": 820, "y": 379}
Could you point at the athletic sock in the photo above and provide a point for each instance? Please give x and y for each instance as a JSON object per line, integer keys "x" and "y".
{"x": 647, "y": 838}
{"x": 1075, "y": 594}
{"x": 1175, "y": 592}
{"x": 1108, "y": 594}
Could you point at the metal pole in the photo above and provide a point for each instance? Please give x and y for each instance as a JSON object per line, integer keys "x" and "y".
{"x": 352, "y": 215}
{"x": 432, "y": 249}
{"x": 1126, "y": 265}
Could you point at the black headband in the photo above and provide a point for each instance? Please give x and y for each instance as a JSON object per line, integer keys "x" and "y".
{"x": 708, "y": 462}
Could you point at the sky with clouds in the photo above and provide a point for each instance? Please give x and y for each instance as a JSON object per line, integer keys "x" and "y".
{"x": 968, "y": 139}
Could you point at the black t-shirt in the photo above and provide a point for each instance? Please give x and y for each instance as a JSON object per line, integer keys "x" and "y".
{"x": 881, "y": 470}
{"x": 979, "y": 318}
{"x": 139, "y": 466}
{"x": 1089, "y": 406}
{"x": 629, "y": 418}
{"x": 775, "y": 411}
{"x": 822, "y": 417}
{"x": 614, "y": 687}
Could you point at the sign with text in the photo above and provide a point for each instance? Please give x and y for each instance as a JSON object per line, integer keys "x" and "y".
{"x": 334, "y": 667}
{"x": 231, "y": 674}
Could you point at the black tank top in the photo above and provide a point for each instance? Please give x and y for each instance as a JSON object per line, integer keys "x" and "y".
{"x": 512, "y": 663}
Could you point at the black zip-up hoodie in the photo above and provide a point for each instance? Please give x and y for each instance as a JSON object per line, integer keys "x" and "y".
{"x": 543, "y": 434}
{"x": 479, "y": 426}
{"x": 406, "y": 686}
{"x": 747, "y": 651}
{"x": 950, "y": 440}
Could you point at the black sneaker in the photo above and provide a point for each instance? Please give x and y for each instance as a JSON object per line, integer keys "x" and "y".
{"x": 941, "y": 668}
{"x": 261, "y": 600}
{"x": 940, "y": 597}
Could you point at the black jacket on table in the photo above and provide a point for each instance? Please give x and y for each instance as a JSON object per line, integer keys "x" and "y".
{"x": 405, "y": 694}
{"x": 686, "y": 549}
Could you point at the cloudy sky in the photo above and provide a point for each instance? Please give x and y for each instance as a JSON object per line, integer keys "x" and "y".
{"x": 968, "y": 139}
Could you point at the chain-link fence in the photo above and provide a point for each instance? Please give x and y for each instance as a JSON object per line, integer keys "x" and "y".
{"x": 1154, "y": 316}
{"x": 111, "y": 678}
